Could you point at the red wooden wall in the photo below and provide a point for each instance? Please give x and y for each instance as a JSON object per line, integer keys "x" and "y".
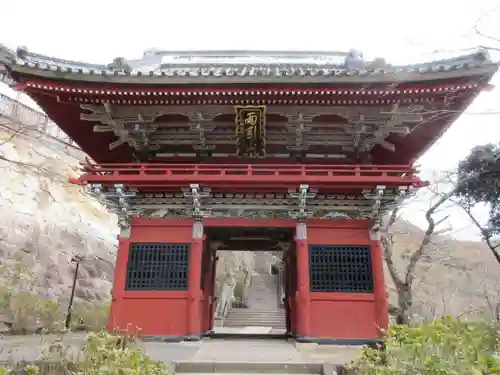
{"x": 155, "y": 313}
{"x": 332, "y": 315}
{"x": 347, "y": 315}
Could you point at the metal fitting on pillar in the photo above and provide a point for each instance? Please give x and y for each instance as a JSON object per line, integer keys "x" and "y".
{"x": 301, "y": 230}
{"x": 198, "y": 229}
{"x": 125, "y": 231}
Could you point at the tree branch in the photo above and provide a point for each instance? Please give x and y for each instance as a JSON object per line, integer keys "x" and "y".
{"x": 484, "y": 233}
{"x": 480, "y": 19}
{"x": 412, "y": 264}
{"x": 387, "y": 243}
{"x": 398, "y": 281}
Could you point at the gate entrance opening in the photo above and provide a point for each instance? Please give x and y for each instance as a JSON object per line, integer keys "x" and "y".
{"x": 251, "y": 280}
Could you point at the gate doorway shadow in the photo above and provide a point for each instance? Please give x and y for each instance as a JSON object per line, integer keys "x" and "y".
{"x": 253, "y": 276}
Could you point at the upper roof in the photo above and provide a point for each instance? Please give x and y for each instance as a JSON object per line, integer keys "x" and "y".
{"x": 208, "y": 67}
{"x": 150, "y": 107}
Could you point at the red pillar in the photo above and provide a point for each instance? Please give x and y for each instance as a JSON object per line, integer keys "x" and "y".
{"x": 303, "y": 283}
{"x": 213, "y": 302}
{"x": 195, "y": 259}
{"x": 208, "y": 293}
{"x": 379, "y": 289}
{"x": 119, "y": 279}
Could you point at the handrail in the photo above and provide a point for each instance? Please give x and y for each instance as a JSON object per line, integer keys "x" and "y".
{"x": 247, "y": 169}
{"x": 246, "y": 173}
{"x": 20, "y": 113}
{"x": 143, "y": 166}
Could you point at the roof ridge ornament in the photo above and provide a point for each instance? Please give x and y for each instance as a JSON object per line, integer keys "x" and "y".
{"x": 354, "y": 59}
{"x": 22, "y": 52}
{"x": 120, "y": 64}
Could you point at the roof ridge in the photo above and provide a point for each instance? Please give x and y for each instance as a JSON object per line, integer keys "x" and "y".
{"x": 319, "y": 67}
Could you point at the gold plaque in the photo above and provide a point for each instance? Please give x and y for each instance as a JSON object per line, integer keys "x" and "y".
{"x": 251, "y": 130}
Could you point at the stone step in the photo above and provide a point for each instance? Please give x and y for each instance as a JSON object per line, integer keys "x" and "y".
{"x": 256, "y": 317}
{"x": 249, "y": 368}
{"x": 262, "y": 292}
{"x": 232, "y": 323}
{"x": 254, "y": 321}
{"x": 252, "y": 313}
{"x": 258, "y": 321}
{"x": 255, "y": 324}
{"x": 255, "y": 311}
{"x": 243, "y": 322}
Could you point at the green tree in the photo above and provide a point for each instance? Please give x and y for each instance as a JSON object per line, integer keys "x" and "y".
{"x": 478, "y": 183}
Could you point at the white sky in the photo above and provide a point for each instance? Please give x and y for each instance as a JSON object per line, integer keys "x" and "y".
{"x": 98, "y": 31}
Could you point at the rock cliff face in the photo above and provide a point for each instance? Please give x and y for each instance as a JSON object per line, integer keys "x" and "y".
{"x": 41, "y": 214}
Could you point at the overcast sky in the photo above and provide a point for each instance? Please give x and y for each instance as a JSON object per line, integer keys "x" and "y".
{"x": 400, "y": 31}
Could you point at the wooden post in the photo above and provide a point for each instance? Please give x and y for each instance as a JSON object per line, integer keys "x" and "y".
{"x": 303, "y": 283}
{"x": 379, "y": 289}
{"x": 119, "y": 280}
{"x": 195, "y": 260}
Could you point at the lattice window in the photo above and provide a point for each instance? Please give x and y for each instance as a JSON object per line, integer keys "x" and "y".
{"x": 158, "y": 266}
{"x": 339, "y": 268}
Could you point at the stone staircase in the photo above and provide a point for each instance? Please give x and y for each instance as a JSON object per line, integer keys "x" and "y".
{"x": 255, "y": 368}
{"x": 263, "y": 308}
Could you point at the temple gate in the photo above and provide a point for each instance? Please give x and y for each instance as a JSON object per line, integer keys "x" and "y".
{"x": 185, "y": 144}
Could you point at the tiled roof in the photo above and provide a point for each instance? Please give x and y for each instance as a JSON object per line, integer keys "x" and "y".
{"x": 248, "y": 65}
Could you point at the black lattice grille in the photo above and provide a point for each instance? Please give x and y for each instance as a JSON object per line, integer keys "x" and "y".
{"x": 158, "y": 266}
{"x": 340, "y": 269}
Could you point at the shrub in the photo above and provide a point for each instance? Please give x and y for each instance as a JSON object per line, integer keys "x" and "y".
{"x": 27, "y": 312}
{"x": 103, "y": 354}
{"x": 445, "y": 346}
{"x": 51, "y": 316}
{"x": 89, "y": 316}
{"x": 20, "y": 305}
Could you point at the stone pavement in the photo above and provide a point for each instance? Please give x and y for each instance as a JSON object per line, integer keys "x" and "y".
{"x": 209, "y": 350}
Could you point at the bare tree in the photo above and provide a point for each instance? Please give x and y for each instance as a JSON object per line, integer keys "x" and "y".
{"x": 477, "y": 182}
{"x": 404, "y": 279}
